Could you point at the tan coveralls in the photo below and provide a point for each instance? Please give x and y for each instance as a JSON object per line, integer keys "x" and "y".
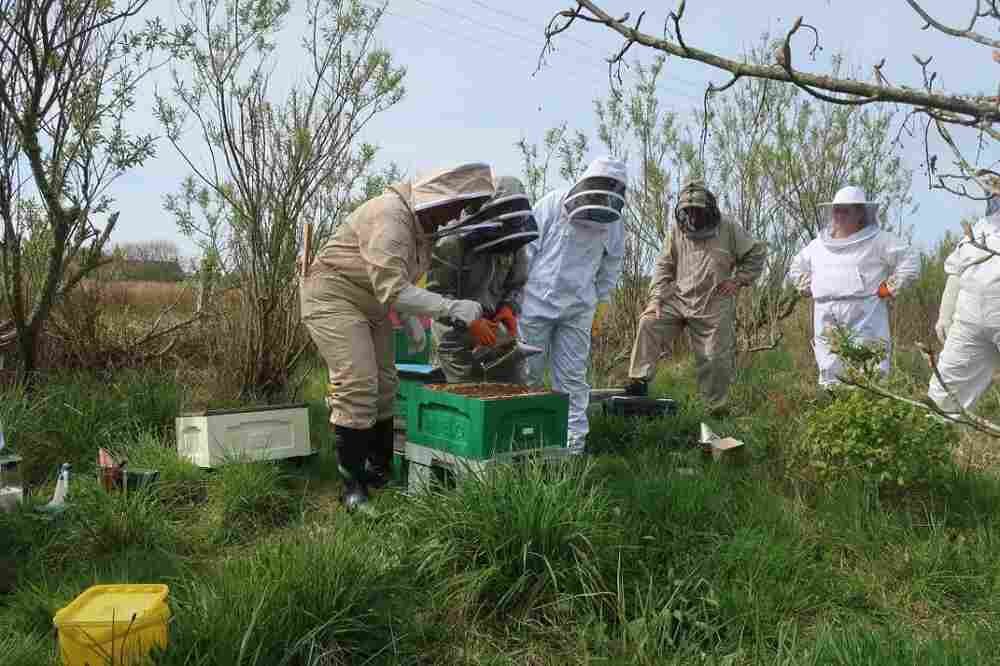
{"x": 373, "y": 255}
{"x": 687, "y": 274}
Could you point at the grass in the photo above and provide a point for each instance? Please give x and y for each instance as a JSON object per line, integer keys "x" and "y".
{"x": 248, "y": 497}
{"x": 522, "y": 543}
{"x": 77, "y": 413}
{"x": 644, "y": 554}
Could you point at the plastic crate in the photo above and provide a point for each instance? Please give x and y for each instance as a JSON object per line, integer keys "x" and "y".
{"x": 412, "y": 375}
{"x": 427, "y": 467}
{"x": 620, "y": 405}
{"x": 480, "y": 428}
{"x": 406, "y": 388}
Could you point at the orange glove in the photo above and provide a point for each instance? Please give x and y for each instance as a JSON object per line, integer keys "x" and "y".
{"x": 483, "y": 332}
{"x": 883, "y": 291}
{"x": 507, "y": 317}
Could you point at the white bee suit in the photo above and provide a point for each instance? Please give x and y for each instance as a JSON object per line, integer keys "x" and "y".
{"x": 970, "y": 317}
{"x": 573, "y": 265}
{"x": 843, "y": 276}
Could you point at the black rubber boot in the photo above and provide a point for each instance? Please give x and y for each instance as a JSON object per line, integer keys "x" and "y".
{"x": 639, "y": 388}
{"x": 352, "y": 447}
{"x": 380, "y": 454}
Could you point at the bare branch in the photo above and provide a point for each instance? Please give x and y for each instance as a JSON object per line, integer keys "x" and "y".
{"x": 676, "y": 18}
{"x": 976, "y": 108}
{"x": 955, "y": 32}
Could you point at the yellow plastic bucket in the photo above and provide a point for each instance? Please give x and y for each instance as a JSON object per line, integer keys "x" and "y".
{"x": 113, "y": 625}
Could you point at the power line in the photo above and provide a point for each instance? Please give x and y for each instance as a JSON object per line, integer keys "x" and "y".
{"x": 479, "y": 23}
{"x": 495, "y": 49}
{"x": 476, "y": 22}
{"x": 523, "y": 19}
{"x": 571, "y": 38}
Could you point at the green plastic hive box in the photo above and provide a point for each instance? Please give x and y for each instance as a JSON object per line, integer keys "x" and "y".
{"x": 407, "y": 387}
{"x": 403, "y": 354}
{"x": 410, "y": 377}
{"x": 480, "y": 429}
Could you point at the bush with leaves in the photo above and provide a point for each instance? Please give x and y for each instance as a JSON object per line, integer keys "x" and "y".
{"x": 881, "y": 440}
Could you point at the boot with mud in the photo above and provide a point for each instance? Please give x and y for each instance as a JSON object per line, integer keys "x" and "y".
{"x": 352, "y": 447}
{"x": 380, "y": 454}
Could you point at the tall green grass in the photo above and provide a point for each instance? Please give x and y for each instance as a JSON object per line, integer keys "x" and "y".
{"x": 74, "y": 414}
{"x": 301, "y": 599}
{"x": 246, "y": 498}
{"x": 534, "y": 542}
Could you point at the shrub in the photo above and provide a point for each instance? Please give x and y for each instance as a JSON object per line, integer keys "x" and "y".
{"x": 878, "y": 439}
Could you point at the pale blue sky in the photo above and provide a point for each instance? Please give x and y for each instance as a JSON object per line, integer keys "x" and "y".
{"x": 472, "y": 91}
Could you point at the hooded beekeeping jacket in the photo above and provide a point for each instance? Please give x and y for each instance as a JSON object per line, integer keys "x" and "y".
{"x": 843, "y": 275}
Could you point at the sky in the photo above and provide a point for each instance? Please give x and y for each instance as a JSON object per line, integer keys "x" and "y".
{"x": 472, "y": 89}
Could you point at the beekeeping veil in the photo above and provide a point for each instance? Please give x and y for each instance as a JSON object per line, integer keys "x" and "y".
{"x": 599, "y": 195}
{"x": 694, "y": 195}
{"x": 502, "y": 225}
{"x": 849, "y": 196}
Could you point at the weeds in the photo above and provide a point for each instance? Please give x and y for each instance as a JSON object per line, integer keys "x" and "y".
{"x": 303, "y": 599}
{"x": 248, "y": 497}
{"x": 525, "y": 542}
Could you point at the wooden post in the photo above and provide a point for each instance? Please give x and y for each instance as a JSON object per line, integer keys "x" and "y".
{"x": 306, "y": 248}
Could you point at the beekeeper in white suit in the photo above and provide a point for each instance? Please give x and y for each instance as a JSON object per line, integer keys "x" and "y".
{"x": 573, "y": 266}
{"x": 851, "y": 271}
{"x": 969, "y": 319}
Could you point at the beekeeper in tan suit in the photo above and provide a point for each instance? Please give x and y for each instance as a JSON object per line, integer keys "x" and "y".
{"x": 706, "y": 261}
{"x": 369, "y": 265}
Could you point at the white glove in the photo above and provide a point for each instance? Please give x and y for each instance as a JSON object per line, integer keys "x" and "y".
{"x": 416, "y": 336}
{"x": 465, "y": 311}
{"x": 947, "y": 311}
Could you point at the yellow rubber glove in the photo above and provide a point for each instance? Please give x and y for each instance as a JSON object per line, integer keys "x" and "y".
{"x": 599, "y": 315}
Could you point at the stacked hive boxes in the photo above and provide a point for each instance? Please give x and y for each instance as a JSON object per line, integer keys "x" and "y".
{"x": 465, "y": 427}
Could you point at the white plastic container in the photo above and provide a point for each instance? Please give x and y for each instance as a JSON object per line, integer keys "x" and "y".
{"x": 213, "y": 437}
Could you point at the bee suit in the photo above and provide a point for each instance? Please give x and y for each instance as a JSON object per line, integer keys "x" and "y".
{"x": 369, "y": 265}
{"x": 687, "y": 292}
{"x": 573, "y": 266}
{"x": 850, "y": 280}
{"x": 487, "y": 264}
{"x": 969, "y": 318}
